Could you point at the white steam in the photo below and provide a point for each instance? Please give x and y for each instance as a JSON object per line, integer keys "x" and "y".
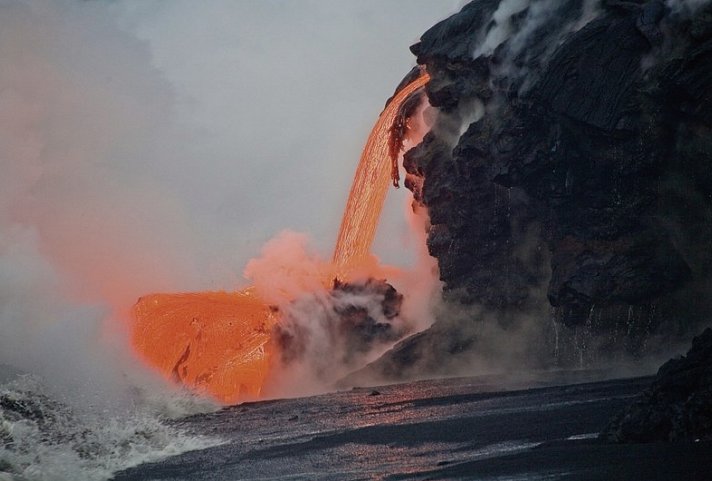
{"x": 287, "y": 269}
{"x": 291, "y": 276}
{"x": 538, "y": 12}
{"x": 327, "y": 351}
{"x": 84, "y": 230}
{"x": 686, "y": 6}
{"x": 537, "y": 15}
{"x": 502, "y": 25}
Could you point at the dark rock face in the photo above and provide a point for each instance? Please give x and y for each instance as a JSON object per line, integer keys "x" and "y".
{"x": 677, "y": 406}
{"x": 434, "y": 352}
{"x": 572, "y": 159}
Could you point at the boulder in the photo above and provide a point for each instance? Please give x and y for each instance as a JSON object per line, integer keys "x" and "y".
{"x": 678, "y": 404}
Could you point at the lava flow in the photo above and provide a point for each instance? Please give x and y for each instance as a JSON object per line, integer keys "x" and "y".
{"x": 369, "y": 188}
{"x": 212, "y": 341}
{"x": 218, "y": 342}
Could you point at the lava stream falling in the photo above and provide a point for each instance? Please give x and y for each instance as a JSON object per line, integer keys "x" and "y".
{"x": 218, "y": 342}
{"x": 369, "y": 188}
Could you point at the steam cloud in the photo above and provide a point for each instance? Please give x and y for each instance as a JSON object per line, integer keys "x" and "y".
{"x": 686, "y": 6}
{"x": 76, "y": 238}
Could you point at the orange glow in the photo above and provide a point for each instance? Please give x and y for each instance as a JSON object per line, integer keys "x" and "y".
{"x": 218, "y": 342}
{"x": 214, "y": 342}
{"x": 369, "y": 188}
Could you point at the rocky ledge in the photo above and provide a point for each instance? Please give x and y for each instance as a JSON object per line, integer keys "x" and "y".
{"x": 678, "y": 404}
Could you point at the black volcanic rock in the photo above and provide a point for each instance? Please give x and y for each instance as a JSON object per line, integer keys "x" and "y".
{"x": 569, "y": 166}
{"x": 434, "y": 352}
{"x": 678, "y": 404}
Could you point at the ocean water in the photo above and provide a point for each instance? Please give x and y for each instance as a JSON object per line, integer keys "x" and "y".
{"x": 44, "y": 439}
{"x": 494, "y": 428}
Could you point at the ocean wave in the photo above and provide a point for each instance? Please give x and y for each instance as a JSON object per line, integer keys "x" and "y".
{"x": 44, "y": 439}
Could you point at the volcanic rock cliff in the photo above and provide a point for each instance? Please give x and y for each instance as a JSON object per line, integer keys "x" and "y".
{"x": 567, "y": 176}
{"x": 678, "y": 404}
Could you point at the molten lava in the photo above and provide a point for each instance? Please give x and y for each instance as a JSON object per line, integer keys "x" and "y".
{"x": 218, "y": 342}
{"x": 214, "y": 342}
{"x": 368, "y": 191}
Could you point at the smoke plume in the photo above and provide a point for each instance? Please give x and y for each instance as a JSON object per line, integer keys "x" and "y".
{"x": 77, "y": 214}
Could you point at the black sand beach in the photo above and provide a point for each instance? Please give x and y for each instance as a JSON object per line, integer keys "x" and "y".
{"x": 483, "y": 428}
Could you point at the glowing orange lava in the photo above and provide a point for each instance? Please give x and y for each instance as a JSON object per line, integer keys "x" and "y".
{"x": 212, "y": 341}
{"x": 369, "y": 188}
{"x": 218, "y": 342}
